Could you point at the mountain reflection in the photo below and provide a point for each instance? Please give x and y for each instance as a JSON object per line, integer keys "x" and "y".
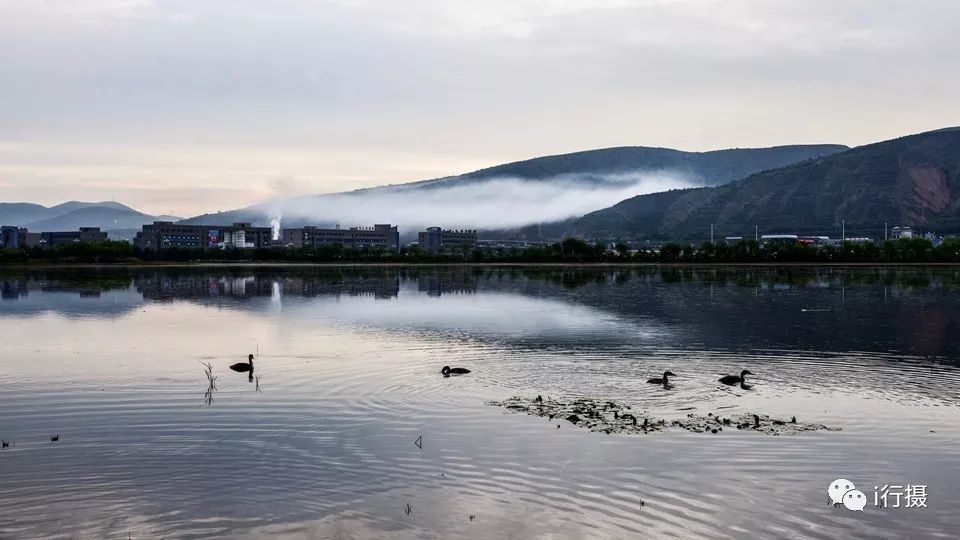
{"x": 828, "y": 309}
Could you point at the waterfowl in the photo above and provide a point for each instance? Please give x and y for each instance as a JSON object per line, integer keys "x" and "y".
{"x": 734, "y": 379}
{"x": 539, "y": 399}
{"x": 55, "y": 438}
{"x": 447, "y": 371}
{"x": 244, "y": 366}
{"x": 662, "y": 380}
{"x": 5, "y": 444}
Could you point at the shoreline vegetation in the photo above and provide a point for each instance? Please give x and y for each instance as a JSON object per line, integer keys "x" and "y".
{"x": 915, "y": 251}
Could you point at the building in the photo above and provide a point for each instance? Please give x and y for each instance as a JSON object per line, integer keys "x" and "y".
{"x": 382, "y": 236}
{"x": 814, "y": 240}
{"x": 934, "y": 238}
{"x": 510, "y": 244}
{"x": 85, "y": 234}
{"x": 778, "y": 239}
{"x": 10, "y": 237}
{"x": 838, "y": 242}
{"x": 901, "y": 232}
{"x": 435, "y": 240}
{"x": 166, "y": 234}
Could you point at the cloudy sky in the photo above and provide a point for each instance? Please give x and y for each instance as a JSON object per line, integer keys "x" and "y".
{"x": 185, "y": 106}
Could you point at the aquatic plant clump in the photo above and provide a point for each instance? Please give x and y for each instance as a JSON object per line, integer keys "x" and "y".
{"x": 610, "y": 417}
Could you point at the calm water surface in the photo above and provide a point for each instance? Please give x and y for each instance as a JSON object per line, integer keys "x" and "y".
{"x": 322, "y": 446}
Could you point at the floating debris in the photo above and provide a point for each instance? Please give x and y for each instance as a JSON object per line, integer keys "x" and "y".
{"x": 408, "y": 510}
{"x": 55, "y": 438}
{"x": 609, "y": 417}
{"x": 419, "y": 442}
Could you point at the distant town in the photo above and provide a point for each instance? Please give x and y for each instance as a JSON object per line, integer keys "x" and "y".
{"x": 164, "y": 235}
{"x": 161, "y": 235}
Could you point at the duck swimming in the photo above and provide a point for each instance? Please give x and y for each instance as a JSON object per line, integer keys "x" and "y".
{"x": 447, "y": 371}
{"x": 244, "y": 366}
{"x": 662, "y": 380}
{"x": 734, "y": 379}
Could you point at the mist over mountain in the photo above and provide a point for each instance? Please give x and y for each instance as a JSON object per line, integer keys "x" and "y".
{"x": 540, "y": 190}
{"x": 912, "y": 181}
{"x": 632, "y": 193}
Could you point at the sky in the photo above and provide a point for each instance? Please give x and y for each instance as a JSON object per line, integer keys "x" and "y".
{"x": 190, "y": 106}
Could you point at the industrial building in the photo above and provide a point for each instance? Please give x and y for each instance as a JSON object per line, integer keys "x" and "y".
{"x": 381, "y": 235}
{"x": 776, "y": 239}
{"x": 85, "y": 234}
{"x": 18, "y": 237}
{"x": 166, "y": 234}
{"x": 901, "y": 232}
{"x": 435, "y": 240}
{"x": 510, "y": 244}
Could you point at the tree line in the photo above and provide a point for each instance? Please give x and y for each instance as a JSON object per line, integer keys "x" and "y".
{"x": 569, "y": 250}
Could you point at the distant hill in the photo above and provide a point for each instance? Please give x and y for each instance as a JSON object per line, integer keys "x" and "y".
{"x": 706, "y": 168}
{"x": 912, "y": 180}
{"x": 592, "y": 168}
{"x": 70, "y": 206}
{"x": 109, "y": 216}
{"x": 21, "y": 213}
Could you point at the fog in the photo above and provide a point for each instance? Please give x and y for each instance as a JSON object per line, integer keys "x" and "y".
{"x": 496, "y": 203}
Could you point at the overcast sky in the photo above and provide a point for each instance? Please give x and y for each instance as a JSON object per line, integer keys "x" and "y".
{"x": 187, "y": 106}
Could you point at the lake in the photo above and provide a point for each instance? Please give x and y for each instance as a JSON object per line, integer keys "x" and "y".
{"x": 321, "y": 443}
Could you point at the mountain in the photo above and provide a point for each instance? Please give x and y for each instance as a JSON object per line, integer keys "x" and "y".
{"x": 706, "y": 168}
{"x": 105, "y": 217}
{"x": 70, "y": 206}
{"x": 24, "y": 213}
{"x": 20, "y": 213}
{"x": 588, "y": 170}
{"x": 69, "y": 216}
{"x": 909, "y": 181}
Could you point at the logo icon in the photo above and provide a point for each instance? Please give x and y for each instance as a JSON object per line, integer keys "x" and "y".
{"x": 854, "y": 500}
{"x": 838, "y": 488}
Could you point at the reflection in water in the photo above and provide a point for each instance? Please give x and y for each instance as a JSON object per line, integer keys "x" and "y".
{"x": 107, "y": 357}
{"x": 910, "y": 310}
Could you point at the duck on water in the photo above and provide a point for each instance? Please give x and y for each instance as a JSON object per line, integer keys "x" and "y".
{"x": 662, "y": 380}
{"x": 731, "y": 380}
{"x": 448, "y": 371}
{"x": 243, "y": 367}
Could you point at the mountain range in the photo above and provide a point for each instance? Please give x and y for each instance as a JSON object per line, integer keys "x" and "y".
{"x": 912, "y": 180}
{"x": 119, "y": 220}
{"x": 806, "y": 189}
{"x": 543, "y": 189}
